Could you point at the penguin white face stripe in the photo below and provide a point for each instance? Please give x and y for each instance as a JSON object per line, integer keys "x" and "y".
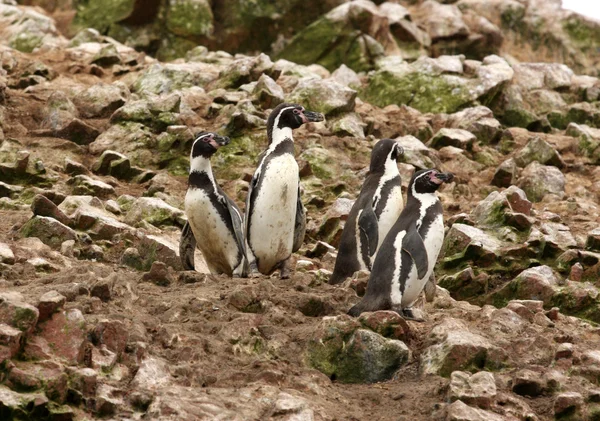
{"x": 427, "y": 199}
{"x": 390, "y": 171}
{"x": 278, "y": 136}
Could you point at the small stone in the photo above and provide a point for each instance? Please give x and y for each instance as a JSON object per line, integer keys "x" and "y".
{"x": 568, "y": 402}
{"x": 6, "y": 254}
{"x": 506, "y": 174}
{"x": 314, "y": 306}
{"x": 564, "y": 350}
{"x": 538, "y": 180}
{"x": 528, "y": 383}
{"x": 49, "y": 304}
{"x": 541, "y": 319}
{"x": 11, "y": 342}
{"x": 112, "y": 333}
{"x": 158, "y": 274}
{"x": 458, "y": 138}
{"x": 85, "y": 185}
{"x": 102, "y": 290}
{"x": 553, "y": 313}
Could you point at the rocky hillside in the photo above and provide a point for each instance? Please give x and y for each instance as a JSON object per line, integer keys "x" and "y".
{"x": 97, "y": 319}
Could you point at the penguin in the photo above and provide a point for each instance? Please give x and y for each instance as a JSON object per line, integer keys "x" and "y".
{"x": 275, "y": 217}
{"x": 405, "y": 261}
{"x": 373, "y": 214}
{"x": 213, "y": 218}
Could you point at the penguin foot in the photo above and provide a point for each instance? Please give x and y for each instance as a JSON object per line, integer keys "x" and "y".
{"x": 284, "y": 269}
{"x": 254, "y": 274}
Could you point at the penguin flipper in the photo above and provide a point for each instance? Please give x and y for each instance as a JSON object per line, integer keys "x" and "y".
{"x": 369, "y": 230}
{"x": 237, "y": 222}
{"x": 187, "y": 247}
{"x": 413, "y": 244}
{"x": 299, "y": 225}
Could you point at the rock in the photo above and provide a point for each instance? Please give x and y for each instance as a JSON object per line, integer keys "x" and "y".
{"x": 453, "y": 137}
{"x": 154, "y": 211}
{"x": 528, "y": 383}
{"x": 8, "y": 190}
{"x": 506, "y": 174}
{"x": 347, "y": 125}
{"x": 347, "y": 77}
{"x": 537, "y": 283}
{"x": 592, "y": 241}
{"x": 499, "y": 208}
{"x": 351, "y": 355}
{"x": 568, "y": 403}
{"x": 49, "y": 304}
{"x": 564, "y": 350}
{"x": 112, "y": 333}
{"x": 49, "y": 230}
{"x": 589, "y": 140}
{"x": 289, "y": 404}
{"x": 417, "y": 154}
{"x": 268, "y": 93}
{"x": 466, "y": 242}
{"x": 17, "y": 313}
{"x": 107, "y": 401}
{"x": 155, "y": 248}
{"x": 11, "y": 342}
{"x": 314, "y": 306}
{"x": 6, "y": 254}
{"x": 100, "y": 100}
{"x": 158, "y": 274}
{"x": 85, "y": 185}
{"x": 66, "y": 335}
{"x": 85, "y": 381}
{"x": 324, "y": 96}
{"x": 538, "y": 150}
{"x": 102, "y": 289}
{"x": 459, "y": 411}
{"x": 43, "y": 206}
{"x": 455, "y": 348}
{"x": 190, "y": 18}
{"x": 478, "y": 389}
{"x": 350, "y": 34}
{"x": 387, "y": 323}
{"x": 153, "y": 374}
{"x": 441, "y": 21}
{"x": 245, "y": 70}
{"x": 539, "y": 180}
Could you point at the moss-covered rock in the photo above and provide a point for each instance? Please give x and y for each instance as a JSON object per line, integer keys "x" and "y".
{"x": 102, "y": 13}
{"x": 189, "y": 18}
{"x": 49, "y": 230}
{"x": 324, "y": 96}
{"x": 538, "y": 180}
{"x": 154, "y": 211}
{"x": 348, "y": 354}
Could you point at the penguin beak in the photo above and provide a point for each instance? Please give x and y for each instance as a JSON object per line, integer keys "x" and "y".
{"x": 311, "y": 117}
{"x": 441, "y": 177}
{"x": 217, "y": 141}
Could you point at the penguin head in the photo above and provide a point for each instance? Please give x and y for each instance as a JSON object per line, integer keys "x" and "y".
{"x": 207, "y": 143}
{"x": 384, "y": 151}
{"x": 428, "y": 181}
{"x": 292, "y": 116}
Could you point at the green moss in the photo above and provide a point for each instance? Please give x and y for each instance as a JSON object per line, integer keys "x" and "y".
{"x": 512, "y": 17}
{"x": 189, "y": 18}
{"x": 26, "y": 42}
{"x": 582, "y": 33}
{"x": 518, "y": 117}
{"x": 173, "y": 47}
{"x": 24, "y": 318}
{"x": 100, "y": 14}
{"x": 426, "y": 93}
{"x": 558, "y": 120}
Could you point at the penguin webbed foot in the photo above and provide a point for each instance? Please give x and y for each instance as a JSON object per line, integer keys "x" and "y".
{"x": 410, "y": 314}
{"x": 284, "y": 269}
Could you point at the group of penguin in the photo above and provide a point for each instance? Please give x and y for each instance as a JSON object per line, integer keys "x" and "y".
{"x": 398, "y": 244}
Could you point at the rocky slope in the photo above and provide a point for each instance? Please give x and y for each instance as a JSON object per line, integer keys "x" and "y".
{"x": 97, "y": 319}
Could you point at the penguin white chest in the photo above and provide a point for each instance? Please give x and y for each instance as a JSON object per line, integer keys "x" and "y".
{"x": 389, "y": 215}
{"x": 273, "y": 213}
{"x": 214, "y": 238}
{"x": 433, "y": 243}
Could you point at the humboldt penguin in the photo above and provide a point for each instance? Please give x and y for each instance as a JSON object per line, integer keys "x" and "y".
{"x": 408, "y": 254}
{"x": 214, "y": 220}
{"x": 375, "y": 211}
{"x": 275, "y": 218}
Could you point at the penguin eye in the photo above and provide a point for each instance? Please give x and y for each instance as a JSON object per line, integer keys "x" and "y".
{"x": 296, "y": 111}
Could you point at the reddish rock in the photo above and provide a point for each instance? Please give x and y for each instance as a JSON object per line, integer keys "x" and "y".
{"x": 49, "y": 304}
{"x": 112, "y": 333}
{"x": 564, "y": 350}
{"x": 568, "y": 402}
{"x": 528, "y": 383}
{"x": 387, "y": 323}
{"x": 65, "y": 333}
{"x": 84, "y": 380}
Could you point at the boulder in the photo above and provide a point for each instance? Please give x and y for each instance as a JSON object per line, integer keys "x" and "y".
{"x": 470, "y": 243}
{"x": 453, "y": 137}
{"x": 11, "y": 342}
{"x": 540, "y": 151}
{"x": 500, "y": 208}
{"x": 66, "y": 335}
{"x": 460, "y": 411}
{"x": 568, "y": 403}
{"x": 49, "y": 304}
{"x": 537, "y": 283}
{"x": 538, "y": 180}
{"x": 442, "y": 21}
{"x": 324, "y": 96}
{"x": 268, "y": 93}
{"x": 100, "y": 100}
{"x": 455, "y": 348}
{"x": 417, "y": 154}
{"x": 6, "y": 254}
{"x": 528, "y": 383}
{"x": 85, "y": 185}
{"x": 506, "y": 174}
{"x": 347, "y": 125}
{"x": 154, "y": 211}
{"x": 343, "y": 351}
